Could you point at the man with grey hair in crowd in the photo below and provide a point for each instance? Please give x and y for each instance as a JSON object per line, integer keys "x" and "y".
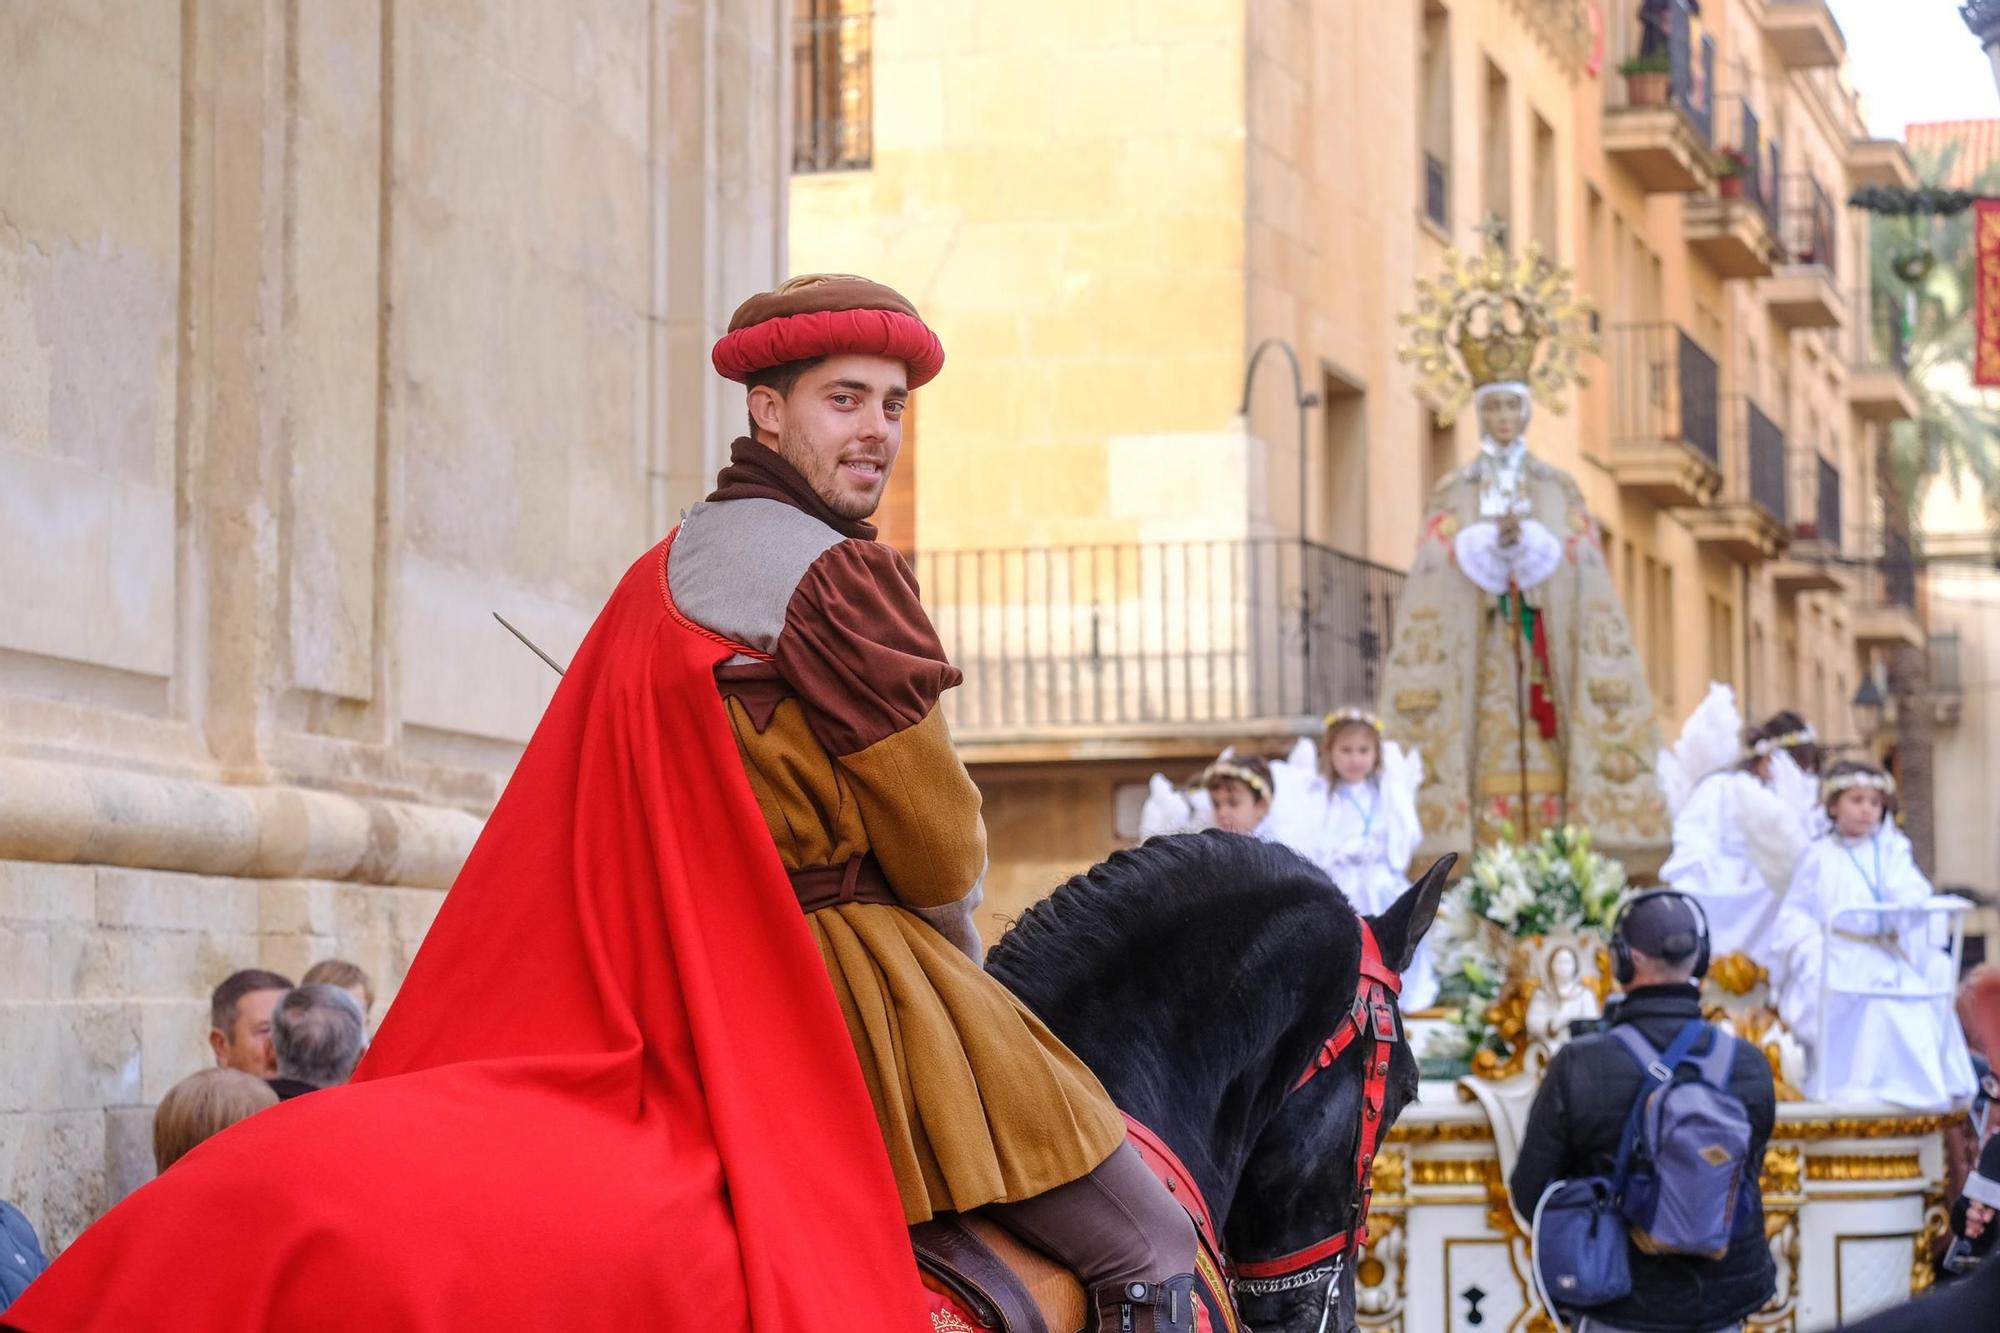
{"x": 317, "y": 1033}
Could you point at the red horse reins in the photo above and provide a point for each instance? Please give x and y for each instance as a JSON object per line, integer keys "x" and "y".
{"x": 1373, "y": 1017}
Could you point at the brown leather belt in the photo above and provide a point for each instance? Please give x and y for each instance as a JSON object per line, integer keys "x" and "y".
{"x": 859, "y": 881}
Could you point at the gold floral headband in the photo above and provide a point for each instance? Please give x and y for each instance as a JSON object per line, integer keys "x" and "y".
{"x": 1839, "y": 783}
{"x": 1224, "y": 771}
{"x": 1791, "y": 740}
{"x": 1361, "y": 715}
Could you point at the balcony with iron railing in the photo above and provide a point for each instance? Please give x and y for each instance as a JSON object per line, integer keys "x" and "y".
{"x": 1659, "y": 107}
{"x": 1804, "y": 33}
{"x": 1160, "y": 647}
{"x": 1735, "y": 230}
{"x": 1804, "y": 293}
{"x": 1750, "y": 518}
{"x": 1813, "y": 562}
{"x": 1878, "y": 366}
{"x": 1887, "y": 615}
{"x": 1662, "y": 393}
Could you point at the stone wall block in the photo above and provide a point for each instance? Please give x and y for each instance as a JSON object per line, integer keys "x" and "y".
{"x": 32, "y": 891}
{"x": 24, "y": 962}
{"x": 86, "y": 963}
{"x": 163, "y": 900}
{"x": 173, "y": 1044}
{"x": 295, "y": 906}
{"x": 179, "y": 964}
{"x": 66, "y": 1055}
{"x": 291, "y": 954}
{"x": 128, "y": 1150}
{"x": 52, "y": 1168}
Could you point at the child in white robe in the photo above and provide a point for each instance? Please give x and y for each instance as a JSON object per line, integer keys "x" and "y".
{"x": 1737, "y": 841}
{"x": 1371, "y": 829}
{"x": 1907, "y": 1051}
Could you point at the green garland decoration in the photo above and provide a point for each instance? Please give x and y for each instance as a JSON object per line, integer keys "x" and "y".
{"x": 1929, "y": 201}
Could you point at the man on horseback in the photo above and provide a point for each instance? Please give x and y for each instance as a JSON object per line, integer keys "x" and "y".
{"x": 832, "y": 693}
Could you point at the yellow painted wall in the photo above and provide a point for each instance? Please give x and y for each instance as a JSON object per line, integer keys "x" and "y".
{"x": 1059, "y": 187}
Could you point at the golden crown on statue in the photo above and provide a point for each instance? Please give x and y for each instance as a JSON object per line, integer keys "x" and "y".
{"x": 1494, "y": 318}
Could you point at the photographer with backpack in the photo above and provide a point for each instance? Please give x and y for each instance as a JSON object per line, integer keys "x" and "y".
{"x": 1647, "y": 1140}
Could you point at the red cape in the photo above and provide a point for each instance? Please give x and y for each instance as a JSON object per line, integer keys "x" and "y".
{"x": 615, "y": 1091}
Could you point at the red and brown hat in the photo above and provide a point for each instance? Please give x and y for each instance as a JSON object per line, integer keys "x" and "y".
{"x": 827, "y": 314}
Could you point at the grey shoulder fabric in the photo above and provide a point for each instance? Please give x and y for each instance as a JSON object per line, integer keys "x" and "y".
{"x": 736, "y": 563}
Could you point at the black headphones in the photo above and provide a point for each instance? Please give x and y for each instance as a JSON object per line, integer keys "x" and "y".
{"x": 1621, "y": 950}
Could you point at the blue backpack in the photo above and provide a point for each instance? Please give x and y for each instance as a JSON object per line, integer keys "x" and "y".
{"x": 1683, "y": 1162}
{"x": 1677, "y": 1187}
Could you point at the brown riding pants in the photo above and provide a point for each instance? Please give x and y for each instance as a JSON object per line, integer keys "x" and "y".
{"x": 1117, "y": 1224}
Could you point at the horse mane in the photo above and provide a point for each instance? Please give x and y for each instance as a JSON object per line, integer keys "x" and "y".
{"x": 1196, "y": 965}
{"x": 1138, "y": 889}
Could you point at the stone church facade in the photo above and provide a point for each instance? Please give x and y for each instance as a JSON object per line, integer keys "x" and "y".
{"x": 326, "y": 330}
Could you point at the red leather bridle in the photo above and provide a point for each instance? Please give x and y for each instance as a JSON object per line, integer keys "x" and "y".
{"x": 1373, "y": 1018}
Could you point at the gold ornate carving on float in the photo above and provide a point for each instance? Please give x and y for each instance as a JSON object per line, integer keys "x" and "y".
{"x": 1736, "y": 974}
{"x": 1888, "y": 1127}
{"x": 1388, "y": 1177}
{"x": 1865, "y": 1166}
{"x": 1444, "y": 1172}
{"x": 1929, "y": 1242}
{"x": 1783, "y": 1172}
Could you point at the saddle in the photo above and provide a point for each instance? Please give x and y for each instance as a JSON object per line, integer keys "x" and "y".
{"x": 997, "y": 1281}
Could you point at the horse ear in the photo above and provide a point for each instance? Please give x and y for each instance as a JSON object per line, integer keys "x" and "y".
{"x": 1399, "y": 930}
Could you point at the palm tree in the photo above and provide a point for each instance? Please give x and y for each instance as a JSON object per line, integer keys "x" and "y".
{"x": 1953, "y": 437}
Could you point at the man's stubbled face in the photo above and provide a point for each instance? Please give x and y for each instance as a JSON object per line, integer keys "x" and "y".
{"x": 841, "y": 426}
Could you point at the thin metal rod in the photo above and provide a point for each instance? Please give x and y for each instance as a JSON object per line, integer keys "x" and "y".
{"x": 530, "y": 642}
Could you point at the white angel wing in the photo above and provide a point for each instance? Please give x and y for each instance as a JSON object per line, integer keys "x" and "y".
{"x": 1798, "y": 789}
{"x": 1710, "y": 740}
{"x": 1167, "y": 810}
{"x": 1298, "y": 801}
{"x": 1772, "y": 832}
{"x": 1402, "y": 775}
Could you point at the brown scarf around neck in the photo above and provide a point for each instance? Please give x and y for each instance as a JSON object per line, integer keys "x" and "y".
{"x": 759, "y": 472}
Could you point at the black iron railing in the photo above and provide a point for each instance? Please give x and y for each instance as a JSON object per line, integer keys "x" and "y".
{"x": 833, "y": 90}
{"x": 1663, "y": 387}
{"x": 1071, "y": 638}
{"x": 1755, "y": 465}
{"x": 1437, "y": 190}
{"x": 1767, "y": 464}
{"x": 1754, "y": 161}
{"x": 1664, "y": 34}
{"x": 1809, "y": 234}
{"x": 1876, "y": 333}
{"x": 1826, "y": 504}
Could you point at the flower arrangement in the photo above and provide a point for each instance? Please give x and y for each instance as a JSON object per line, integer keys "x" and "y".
{"x": 1513, "y": 892}
{"x": 1659, "y": 62}
{"x": 1734, "y": 162}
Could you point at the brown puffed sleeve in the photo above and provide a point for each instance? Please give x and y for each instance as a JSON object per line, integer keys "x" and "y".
{"x": 861, "y": 654}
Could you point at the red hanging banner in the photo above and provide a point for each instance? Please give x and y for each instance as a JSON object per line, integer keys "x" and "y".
{"x": 1986, "y": 279}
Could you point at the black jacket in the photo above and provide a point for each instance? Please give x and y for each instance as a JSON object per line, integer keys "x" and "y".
{"x": 1573, "y": 1130}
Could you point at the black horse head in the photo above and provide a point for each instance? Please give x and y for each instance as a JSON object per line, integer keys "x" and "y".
{"x": 1199, "y": 976}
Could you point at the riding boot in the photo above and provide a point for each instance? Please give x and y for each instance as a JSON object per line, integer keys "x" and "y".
{"x": 1146, "y": 1307}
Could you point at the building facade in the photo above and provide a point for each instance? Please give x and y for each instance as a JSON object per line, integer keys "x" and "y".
{"x": 325, "y": 332}
{"x": 1960, "y": 539}
{"x": 1109, "y": 211}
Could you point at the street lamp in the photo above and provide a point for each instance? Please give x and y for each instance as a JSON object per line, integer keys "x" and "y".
{"x": 1868, "y": 705}
{"x": 1306, "y": 402}
{"x": 1983, "y": 17}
